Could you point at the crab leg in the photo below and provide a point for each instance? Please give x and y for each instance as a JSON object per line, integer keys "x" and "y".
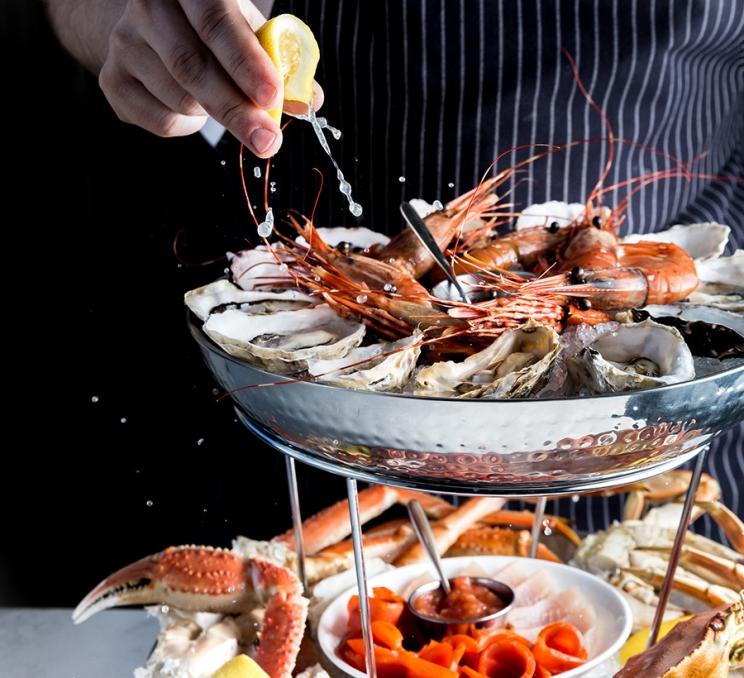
{"x": 187, "y": 577}
{"x": 387, "y": 544}
{"x": 499, "y": 541}
{"x": 728, "y": 521}
{"x": 448, "y": 529}
{"x": 712, "y": 568}
{"x": 710, "y": 546}
{"x": 206, "y": 579}
{"x": 708, "y": 593}
{"x": 526, "y": 519}
{"x": 332, "y": 524}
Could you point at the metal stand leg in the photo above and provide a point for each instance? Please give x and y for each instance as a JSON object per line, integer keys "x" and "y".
{"x": 679, "y": 540}
{"x": 361, "y": 577}
{"x": 537, "y": 525}
{"x": 294, "y": 502}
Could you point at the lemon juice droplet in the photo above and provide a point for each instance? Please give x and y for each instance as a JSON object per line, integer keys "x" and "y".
{"x": 267, "y": 225}
{"x": 437, "y": 205}
{"x": 344, "y": 186}
{"x": 257, "y": 172}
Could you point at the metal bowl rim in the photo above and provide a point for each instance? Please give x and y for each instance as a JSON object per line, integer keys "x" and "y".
{"x": 205, "y": 341}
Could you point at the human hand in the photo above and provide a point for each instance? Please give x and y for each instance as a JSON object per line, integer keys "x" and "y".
{"x": 170, "y": 63}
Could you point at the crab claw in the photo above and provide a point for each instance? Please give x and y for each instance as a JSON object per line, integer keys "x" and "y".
{"x": 188, "y": 577}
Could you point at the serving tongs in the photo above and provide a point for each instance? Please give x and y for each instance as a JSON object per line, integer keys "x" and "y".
{"x": 417, "y": 225}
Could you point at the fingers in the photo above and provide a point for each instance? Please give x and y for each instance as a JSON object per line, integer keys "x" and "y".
{"x": 171, "y": 62}
{"x": 146, "y": 66}
{"x": 133, "y": 103}
{"x": 224, "y": 30}
{"x": 193, "y": 66}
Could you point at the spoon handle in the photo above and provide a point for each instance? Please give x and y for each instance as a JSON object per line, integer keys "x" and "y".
{"x": 416, "y": 223}
{"x": 423, "y": 532}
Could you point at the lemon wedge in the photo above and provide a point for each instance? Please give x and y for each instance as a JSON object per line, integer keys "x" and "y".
{"x": 638, "y": 641}
{"x": 292, "y": 47}
{"x": 241, "y": 666}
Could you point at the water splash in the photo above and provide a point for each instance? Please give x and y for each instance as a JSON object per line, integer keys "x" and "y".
{"x": 257, "y": 172}
{"x": 267, "y": 225}
{"x": 318, "y": 125}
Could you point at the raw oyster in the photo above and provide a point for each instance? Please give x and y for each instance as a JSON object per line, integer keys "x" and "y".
{"x": 636, "y": 356}
{"x": 702, "y": 242}
{"x": 259, "y": 268}
{"x": 283, "y": 342}
{"x": 378, "y": 367}
{"x": 514, "y": 366}
{"x": 709, "y": 332}
{"x": 222, "y": 294}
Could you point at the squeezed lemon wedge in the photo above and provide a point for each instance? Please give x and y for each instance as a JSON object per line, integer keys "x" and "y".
{"x": 241, "y": 666}
{"x": 638, "y": 641}
{"x": 292, "y": 47}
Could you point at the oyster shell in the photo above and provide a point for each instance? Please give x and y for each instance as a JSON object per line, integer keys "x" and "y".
{"x": 562, "y": 213}
{"x": 364, "y": 238}
{"x": 542, "y": 214}
{"x": 283, "y": 342}
{"x": 222, "y": 294}
{"x": 702, "y": 242}
{"x": 709, "y": 332}
{"x": 514, "y": 366}
{"x": 721, "y": 283}
{"x": 378, "y": 367}
{"x": 258, "y": 268}
{"x": 636, "y": 356}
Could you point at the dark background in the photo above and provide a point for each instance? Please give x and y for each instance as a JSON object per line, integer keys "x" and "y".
{"x": 95, "y": 311}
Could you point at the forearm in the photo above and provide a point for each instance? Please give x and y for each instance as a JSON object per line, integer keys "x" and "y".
{"x": 84, "y": 26}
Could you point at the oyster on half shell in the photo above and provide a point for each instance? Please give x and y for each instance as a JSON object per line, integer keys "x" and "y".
{"x": 516, "y": 365}
{"x": 386, "y": 366}
{"x": 636, "y": 356}
{"x": 283, "y": 342}
{"x": 220, "y": 295}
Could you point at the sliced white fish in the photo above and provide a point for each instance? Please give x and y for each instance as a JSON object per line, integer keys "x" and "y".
{"x": 513, "y": 574}
{"x": 536, "y": 587}
{"x": 569, "y": 605}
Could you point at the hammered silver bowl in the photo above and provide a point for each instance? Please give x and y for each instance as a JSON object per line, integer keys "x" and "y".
{"x": 499, "y": 447}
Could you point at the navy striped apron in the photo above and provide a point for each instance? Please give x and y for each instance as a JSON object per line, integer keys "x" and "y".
{"x": 429, "y": 92}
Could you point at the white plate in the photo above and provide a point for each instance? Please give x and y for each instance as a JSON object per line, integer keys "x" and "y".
{"x": 613, "y": 614}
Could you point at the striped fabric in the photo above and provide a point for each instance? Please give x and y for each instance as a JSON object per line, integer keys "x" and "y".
{"x": 429, "y": 92}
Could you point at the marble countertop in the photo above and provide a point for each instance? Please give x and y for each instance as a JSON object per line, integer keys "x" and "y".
{"x": 44, "y": 643}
